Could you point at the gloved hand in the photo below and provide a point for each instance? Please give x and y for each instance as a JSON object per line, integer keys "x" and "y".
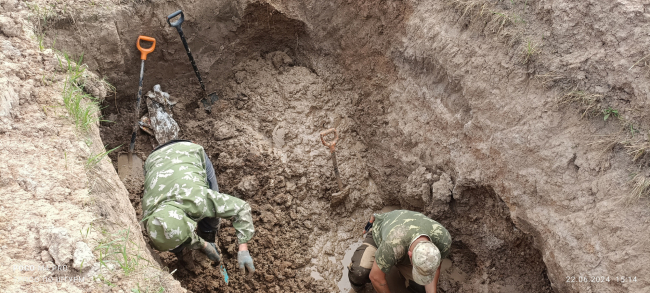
{"x": 211, "y": 251}
{"x": 244, "y": 259}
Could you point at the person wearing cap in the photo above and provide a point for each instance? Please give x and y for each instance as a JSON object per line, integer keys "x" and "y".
{"x": 409, "y": 241}
{"x": 182, "y": 204}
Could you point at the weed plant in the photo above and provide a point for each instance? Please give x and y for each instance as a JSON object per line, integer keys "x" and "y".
{"x": 119, "y": 248}
{"x": 530, "y": 51}
{"x": 83, "y": 109}
{"x": 610, "y": 112}
{"x": 93, "y": 160}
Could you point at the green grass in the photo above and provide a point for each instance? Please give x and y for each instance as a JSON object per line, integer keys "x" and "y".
{"x": 119, "y": 254}
{"x": 610, "y": 112}
{"x": 74, "y": 69}
{"x": 41, "y": 14}
{"x": 83, "y": 109}
{"x": 592, "y": 105}
{"x": 530, "y": 51}
{"x": 119, "y": 248}
{"x": 84, "y": 233}
{"x": 93, "y": 160}
{"x": 41, "y": 46}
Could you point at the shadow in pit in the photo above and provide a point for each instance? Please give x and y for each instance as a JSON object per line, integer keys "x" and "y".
{"x": 488, "y": 248}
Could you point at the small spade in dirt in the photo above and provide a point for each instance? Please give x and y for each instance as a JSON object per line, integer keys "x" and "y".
{"x": 129, "y": 165}
{"x": 339, "y": 197}
{"x": 343, "y": 193}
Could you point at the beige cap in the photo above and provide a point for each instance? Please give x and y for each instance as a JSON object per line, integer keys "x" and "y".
{"x": 426, "y": 259}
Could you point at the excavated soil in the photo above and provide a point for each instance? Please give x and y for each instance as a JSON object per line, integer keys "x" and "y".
{"x": 262, "y": 136}
{"x": 438, "y": 109}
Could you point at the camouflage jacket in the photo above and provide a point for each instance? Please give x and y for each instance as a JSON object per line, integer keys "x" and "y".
{"x": 177, "y": 196}
{"x": 394, "y": 232}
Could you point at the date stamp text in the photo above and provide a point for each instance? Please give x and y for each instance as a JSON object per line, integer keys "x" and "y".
{"x": 601, "y": 279}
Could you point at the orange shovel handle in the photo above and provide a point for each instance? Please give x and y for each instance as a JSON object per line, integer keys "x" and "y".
{"x": 144, "y": 52}
{"x": 331, "y": 144}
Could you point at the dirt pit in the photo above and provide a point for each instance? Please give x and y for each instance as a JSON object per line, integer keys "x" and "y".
{"x": 278, "y": 89}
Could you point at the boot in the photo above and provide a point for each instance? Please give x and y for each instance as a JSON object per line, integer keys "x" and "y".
{"x": 356, "y": 288}
{"x": 185, "y": 258}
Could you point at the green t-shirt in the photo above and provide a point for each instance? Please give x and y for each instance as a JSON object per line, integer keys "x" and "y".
{"x": 394, "y": 232}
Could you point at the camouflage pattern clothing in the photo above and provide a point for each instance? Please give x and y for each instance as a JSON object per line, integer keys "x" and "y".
{"x": 177, "y": 196}
{"x": 393, "y": 233}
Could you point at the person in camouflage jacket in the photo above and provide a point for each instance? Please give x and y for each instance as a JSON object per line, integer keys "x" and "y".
{"x": 409, "y": 241}
{"x": 181, "y": 195}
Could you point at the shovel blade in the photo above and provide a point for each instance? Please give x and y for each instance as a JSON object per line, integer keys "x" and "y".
{"x": 209, "y": 101}
{"x": 129, "y": 167}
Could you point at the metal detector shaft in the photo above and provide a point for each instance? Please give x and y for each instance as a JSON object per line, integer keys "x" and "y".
{"x": 137, "y": 110}
{"x": 177, "y": 25}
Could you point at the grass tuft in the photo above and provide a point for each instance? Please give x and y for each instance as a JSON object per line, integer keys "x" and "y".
{"x": 502, "y": 19}
{"x": 93, "y": 160}
{"x": 641, "y": 187}
{"x": 41, "y": 15}
{"x": 609, "y": 112}
{"x": 590, "y": 102}
{"x": 83, "y": 109}
{"x": 486, "y": 10}
{"x": 470, "y": 7}
{"x": 531, "y": 49}
{"x": 637, "y": 149}
{"x": 119, "y": 248}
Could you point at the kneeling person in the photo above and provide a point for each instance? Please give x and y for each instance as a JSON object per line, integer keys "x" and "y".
{"x": 407, "y": 240}
{"x": 181, "y": 193}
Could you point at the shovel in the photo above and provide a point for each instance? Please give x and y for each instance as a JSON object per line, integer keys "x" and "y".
{"x": 332, "y": 146}
{"x": 129, "y": 164}
{"x": 340, "y": 196}
{"x": 208, "y": 99}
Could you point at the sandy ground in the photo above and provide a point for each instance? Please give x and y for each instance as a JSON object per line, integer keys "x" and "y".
{"x": 56, "y": 211}
{"x": 443, "y": 107}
